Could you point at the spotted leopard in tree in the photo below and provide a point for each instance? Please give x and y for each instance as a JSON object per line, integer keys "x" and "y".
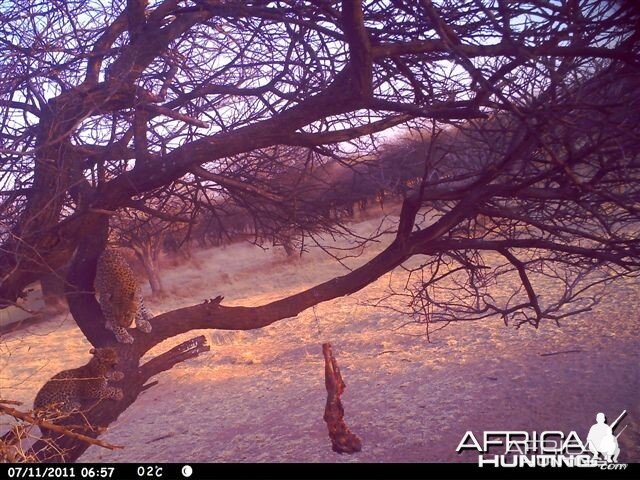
{"x": 120, "y": 296}
{"x": 68, "y": 390}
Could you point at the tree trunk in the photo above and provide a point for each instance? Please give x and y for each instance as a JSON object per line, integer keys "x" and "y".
{"x": 52, "y": 286}
{"x": 145, "y": 254}
{"x": 88, "y": 315}
{"x": 61, "y": 448}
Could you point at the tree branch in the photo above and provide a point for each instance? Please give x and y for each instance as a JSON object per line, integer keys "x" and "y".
{"x": 186, "y": 350}
{"x": 604, "y": 254}
{"x": 386, "y": 49}
{"x": 167, "y": 112}
{"x": 26, "y": 417}
{"x": 522, "y": 272}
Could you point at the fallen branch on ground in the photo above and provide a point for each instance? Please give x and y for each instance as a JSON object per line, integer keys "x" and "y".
{"x": 559, "y": 353}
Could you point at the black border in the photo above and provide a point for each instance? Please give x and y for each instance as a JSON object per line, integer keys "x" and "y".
{"x": 333, "y": 471}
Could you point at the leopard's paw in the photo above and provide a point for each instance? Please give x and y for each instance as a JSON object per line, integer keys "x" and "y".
{"x": 143, "y": 326}
{"x": 123, "y": 336}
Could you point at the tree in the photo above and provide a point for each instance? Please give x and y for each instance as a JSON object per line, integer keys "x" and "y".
{"x": 144, "y": 230}
{"x": 530, "y": 113}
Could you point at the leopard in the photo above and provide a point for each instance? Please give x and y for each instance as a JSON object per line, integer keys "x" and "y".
{"x": 120, "y": 296}
{"x": 66, "y": 392}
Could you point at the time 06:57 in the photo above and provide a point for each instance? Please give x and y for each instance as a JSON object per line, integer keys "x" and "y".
{"x": 59, "y": 472}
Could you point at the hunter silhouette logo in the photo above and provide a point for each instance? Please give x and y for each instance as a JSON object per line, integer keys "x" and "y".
{"x": 551, "y": 448}
{"x": 601, "y": 439}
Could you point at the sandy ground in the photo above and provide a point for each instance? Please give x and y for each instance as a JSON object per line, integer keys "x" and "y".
{"x": 259, "y": 396}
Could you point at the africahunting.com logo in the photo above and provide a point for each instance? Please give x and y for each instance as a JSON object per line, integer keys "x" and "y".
{"x": 549, "y": 448}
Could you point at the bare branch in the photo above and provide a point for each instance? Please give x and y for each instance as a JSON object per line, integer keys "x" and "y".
{"x": 26, "y": 417}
